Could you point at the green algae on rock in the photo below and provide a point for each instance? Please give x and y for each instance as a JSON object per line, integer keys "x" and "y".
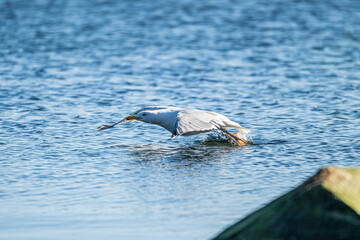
{"x": 326, "y": 206}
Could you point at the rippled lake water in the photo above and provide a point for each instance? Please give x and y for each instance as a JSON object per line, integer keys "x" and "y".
{"x": 288, "y": 70}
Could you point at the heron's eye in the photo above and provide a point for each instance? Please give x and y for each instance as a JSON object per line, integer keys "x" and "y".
{"x": 144, "y": 114}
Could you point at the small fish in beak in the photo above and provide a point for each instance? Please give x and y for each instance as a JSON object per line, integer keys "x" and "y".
{"x": 125, "y": 120}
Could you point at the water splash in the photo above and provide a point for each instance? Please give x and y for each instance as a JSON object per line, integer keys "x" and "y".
{"x": 218, "y": 137}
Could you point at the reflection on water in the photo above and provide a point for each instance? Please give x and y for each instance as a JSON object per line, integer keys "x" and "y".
{"x": 180, "y": 155}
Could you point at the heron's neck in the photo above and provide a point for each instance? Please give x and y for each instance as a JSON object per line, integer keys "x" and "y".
{"x": 166, "y": 120}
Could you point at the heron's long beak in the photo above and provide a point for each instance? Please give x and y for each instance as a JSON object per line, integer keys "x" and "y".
{"x": 127, "y": 119}
{"x": 130, "y": 118}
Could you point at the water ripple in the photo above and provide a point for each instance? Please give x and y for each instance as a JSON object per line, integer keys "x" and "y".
{"x": 288, "y": 70}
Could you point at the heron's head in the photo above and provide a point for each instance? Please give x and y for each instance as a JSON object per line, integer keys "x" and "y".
{"x": 143, "y": 116}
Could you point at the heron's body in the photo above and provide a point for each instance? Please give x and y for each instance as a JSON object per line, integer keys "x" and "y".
{"x": 180, "y": 121}
{"x": 164, "y": 117}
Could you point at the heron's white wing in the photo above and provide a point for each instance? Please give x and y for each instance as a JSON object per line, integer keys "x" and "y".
{"x": 192, "y": 121}
{"x": 155, "y": 108}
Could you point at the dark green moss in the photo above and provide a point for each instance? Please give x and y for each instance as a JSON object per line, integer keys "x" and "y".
{"x": 308, "y": 212}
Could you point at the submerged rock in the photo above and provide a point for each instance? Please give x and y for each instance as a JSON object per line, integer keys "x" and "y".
{"x": 326, "y": 206}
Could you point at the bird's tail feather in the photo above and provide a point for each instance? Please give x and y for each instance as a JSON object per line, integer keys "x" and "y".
{"x": 243, "y": 130}
{"x": 244, "y": 133}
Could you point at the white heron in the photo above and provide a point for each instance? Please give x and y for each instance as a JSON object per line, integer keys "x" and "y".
{"x": 185, "y": 122}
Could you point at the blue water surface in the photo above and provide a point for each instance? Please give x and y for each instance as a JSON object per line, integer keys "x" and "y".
{"x": 289, "y": 70}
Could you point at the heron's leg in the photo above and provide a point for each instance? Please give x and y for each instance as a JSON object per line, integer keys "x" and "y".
{"x": 232, "y": 136}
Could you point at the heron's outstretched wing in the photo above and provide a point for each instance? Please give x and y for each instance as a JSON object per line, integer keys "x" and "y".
{"x": 154, "y": 108}
{"x": 192, "y": 121}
